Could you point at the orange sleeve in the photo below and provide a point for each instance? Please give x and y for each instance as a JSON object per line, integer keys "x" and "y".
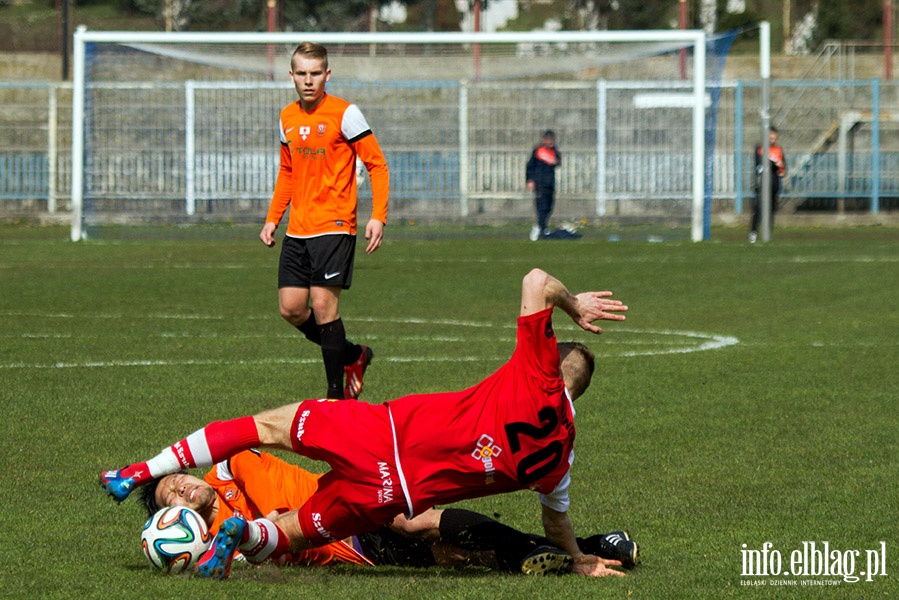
{"x": 283, "y": 188}
{"x": 369, "y": 151}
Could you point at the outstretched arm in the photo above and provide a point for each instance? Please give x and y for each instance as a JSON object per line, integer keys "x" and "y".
{"x": 540, "y": 290}
{"x": 560, "y": 532}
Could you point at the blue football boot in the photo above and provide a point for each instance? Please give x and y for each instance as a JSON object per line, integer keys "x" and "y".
{"x": 115, "y": 485}
{"x": 216, "y": 562}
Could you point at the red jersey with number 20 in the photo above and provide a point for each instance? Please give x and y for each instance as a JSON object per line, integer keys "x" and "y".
{"x": 512, "y": 431}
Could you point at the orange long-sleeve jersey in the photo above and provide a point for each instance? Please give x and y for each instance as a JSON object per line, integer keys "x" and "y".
{"x": 253, "y": 484}
{"x": 317, "y": 176}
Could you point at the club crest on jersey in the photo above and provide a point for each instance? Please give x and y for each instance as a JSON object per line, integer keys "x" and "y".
{"x": 305, "y": 130}
{"x": 485, "y": 451}
{"x": 321, "y": 129}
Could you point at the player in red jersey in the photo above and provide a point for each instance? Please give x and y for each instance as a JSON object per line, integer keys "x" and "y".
{"x": 255, "y": 484}
{"x": 321, "y": 138}
{"x": 514, "y": 430}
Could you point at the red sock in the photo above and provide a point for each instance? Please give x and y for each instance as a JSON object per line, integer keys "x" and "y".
{"x": 140, "y": 472}
{"x": 216, "y": 442}
{"x": 203, "y": 448}
{"x": 227, "y": 438}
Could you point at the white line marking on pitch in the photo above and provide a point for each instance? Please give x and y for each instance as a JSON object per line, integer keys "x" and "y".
{"x": 185, "y": 317}
{"x": 711, "y": 342}
{"x": 208, "y": 362}
{"x": 705, "y": 342}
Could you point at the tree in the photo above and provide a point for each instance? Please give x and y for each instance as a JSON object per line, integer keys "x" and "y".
{"x": 333, "y": 15}
{"x": 180, "y": 15}
{"x": 858, "y": 20}
{"x": 637, "y": 14}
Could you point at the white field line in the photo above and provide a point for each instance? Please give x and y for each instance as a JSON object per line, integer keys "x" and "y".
{"x": 705, "y": 341}
{"x": 198, "y": 317}
{"x": 187, "y": 266}
{"x": 291, "y": 335}
{"x": 695, "y": 342}
{"x": 208, "y": 362}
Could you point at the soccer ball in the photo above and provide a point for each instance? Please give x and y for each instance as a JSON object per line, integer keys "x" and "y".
{"x": 174, "y": 539}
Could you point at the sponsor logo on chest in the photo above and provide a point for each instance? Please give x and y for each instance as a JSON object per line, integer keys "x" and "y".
{"x": 485, "y": 451}
{"x": 385, "y": 494}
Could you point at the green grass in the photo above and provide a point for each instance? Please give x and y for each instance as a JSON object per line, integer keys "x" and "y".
{"x": 784, "y": 431}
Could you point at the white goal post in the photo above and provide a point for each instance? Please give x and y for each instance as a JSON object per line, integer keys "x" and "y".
{"x": 692, "y": 96}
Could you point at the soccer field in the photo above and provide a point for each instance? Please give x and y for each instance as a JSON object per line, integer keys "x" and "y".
{"x": 749, "y": 398}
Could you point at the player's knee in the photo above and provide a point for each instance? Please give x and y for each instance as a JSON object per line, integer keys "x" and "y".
{"x": 404, "y": 526}
{"x": 325, "y": 310}
{"x": 295, "y": 314}
{"x": 425, "y": 525}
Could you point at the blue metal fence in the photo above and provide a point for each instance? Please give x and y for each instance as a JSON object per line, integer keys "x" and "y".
{"x": 24, "y": 176}
{"x": 841, "y": 140}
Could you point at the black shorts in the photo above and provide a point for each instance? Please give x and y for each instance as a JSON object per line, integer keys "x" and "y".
{"x": 387, "y": 547}
{"x": 323, "y": 261}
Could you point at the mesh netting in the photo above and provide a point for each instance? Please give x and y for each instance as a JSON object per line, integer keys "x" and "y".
{"x": 185, "y": 134}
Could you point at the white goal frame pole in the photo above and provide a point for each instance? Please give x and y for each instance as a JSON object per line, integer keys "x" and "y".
{"x": 696, "y": 38}
{"x": 77, "y": 179}
{"x": 294, "y": 37}
{"x": 765, "y": 116}
{"x": 699, "y": 93}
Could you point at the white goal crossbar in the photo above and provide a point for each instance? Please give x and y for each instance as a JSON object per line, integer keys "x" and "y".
{"x": 695, "y": 98}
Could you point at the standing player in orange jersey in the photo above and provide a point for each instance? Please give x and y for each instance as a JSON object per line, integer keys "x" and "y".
{"x": 321, "y": 138}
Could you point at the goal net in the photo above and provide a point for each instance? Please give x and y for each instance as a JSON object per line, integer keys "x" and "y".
{"x": 175, "y": 134}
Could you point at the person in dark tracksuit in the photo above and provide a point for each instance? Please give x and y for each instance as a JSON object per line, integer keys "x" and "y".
{"x": 540, "y": 173}
{"x": 778, "y": 172}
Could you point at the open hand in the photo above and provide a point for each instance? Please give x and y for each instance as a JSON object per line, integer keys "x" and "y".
{"x": 589, "y": 565}
{"x": 595, "y": 306}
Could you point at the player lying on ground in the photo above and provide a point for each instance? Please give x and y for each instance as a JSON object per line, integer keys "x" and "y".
{"x": 512, "y": 431}
{"x": 255, "y": 484}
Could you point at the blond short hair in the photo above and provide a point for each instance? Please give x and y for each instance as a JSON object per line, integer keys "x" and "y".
{"x": 311, "y": 50}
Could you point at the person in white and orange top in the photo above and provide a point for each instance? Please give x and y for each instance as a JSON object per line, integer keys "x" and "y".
{"x": 321, "y": 138}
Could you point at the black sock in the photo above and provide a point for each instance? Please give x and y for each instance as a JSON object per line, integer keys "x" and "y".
{"x": 351, "y": 353}
{"x": 311, "y": 330}
{"x": 333, "y": 342}
{"x": 473, "y": 531}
